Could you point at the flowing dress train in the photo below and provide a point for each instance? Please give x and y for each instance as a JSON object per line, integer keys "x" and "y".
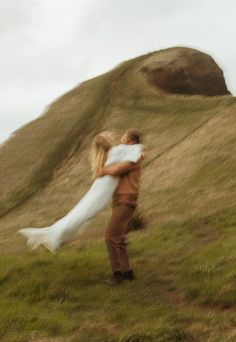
{"x": 96, "y": 198}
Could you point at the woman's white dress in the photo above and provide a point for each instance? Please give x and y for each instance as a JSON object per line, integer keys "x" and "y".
{"x": 97, "y": 197}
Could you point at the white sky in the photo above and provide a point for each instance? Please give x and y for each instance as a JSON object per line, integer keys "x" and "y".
{"x": 47, "y": 47}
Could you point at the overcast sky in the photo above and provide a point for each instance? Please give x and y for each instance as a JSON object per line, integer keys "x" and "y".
{"x": 47, "y": 47}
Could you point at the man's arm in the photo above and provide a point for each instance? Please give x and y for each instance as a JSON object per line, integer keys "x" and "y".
{"x": 118, "y": 168}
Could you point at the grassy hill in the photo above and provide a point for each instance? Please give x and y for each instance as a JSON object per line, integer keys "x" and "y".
{"x": 185, "y": 258}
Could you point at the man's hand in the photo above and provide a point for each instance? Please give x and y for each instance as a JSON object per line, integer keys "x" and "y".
{"x": 100, "y": 172}
{"x": 105, "y": 170}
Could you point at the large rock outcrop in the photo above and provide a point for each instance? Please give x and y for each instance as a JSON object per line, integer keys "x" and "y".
{"x": 181, "y": 70}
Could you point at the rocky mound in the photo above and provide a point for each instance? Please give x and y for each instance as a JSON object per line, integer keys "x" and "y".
{"x": 184, "y": 71}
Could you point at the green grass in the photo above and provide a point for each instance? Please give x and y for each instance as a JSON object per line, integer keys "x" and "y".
{"x": 185, "y": 258}
{"x": 179, "y": 293}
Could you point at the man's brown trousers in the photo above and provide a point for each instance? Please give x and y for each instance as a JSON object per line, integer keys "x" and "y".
{"x": 115, "y": 237}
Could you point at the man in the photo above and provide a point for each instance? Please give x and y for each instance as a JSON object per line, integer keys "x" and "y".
{"x": 124, "y": 203}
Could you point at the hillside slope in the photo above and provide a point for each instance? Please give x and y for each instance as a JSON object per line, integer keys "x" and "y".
{"x": 186, "y": 257}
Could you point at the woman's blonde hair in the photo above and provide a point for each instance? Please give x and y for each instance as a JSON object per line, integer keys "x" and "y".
{"x": 100, "y": 146}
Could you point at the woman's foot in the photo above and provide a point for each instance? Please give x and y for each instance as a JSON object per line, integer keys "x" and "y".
{"x": 41, "y": 236}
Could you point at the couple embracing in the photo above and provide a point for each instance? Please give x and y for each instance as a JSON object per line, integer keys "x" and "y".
{"x": 116, "y": 168}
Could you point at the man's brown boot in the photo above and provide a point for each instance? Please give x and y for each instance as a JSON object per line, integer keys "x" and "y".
{"x": 128, "y": 275}
{"x": 115, "y": 279}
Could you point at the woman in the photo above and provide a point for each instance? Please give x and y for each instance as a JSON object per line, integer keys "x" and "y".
{"x": 104, "y": 152}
